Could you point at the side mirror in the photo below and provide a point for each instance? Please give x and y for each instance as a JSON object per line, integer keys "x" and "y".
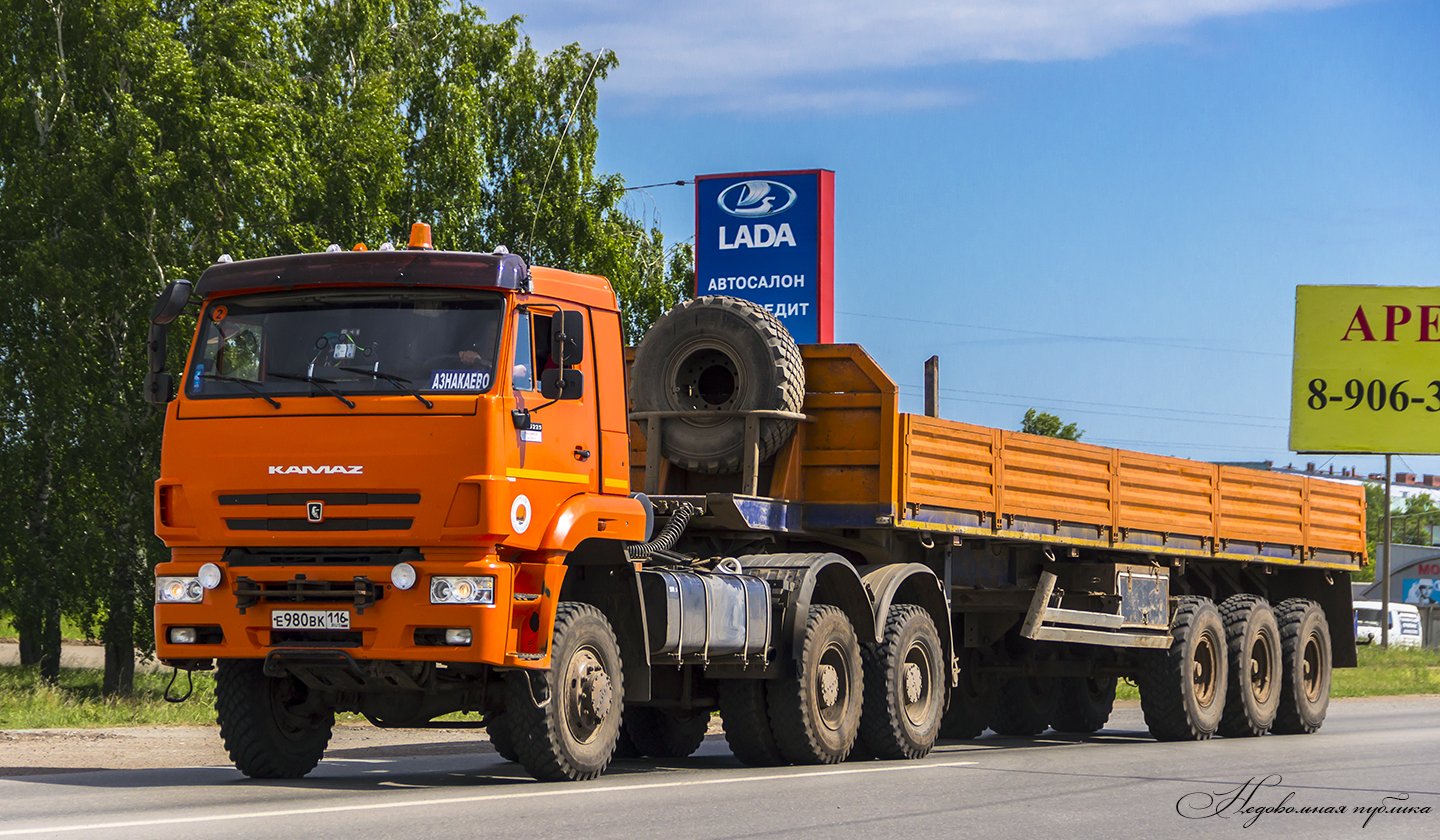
{"x": 159, "y": 388}
{"x": 170, "y": 302}
{"x": 567, "y": 342}
{"x": 562, "y": 384}
{"x": 159, "y": 385}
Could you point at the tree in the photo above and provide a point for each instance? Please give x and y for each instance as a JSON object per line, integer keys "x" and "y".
{"x": 1049, "y": 425}
{"x": 140, "y": 139}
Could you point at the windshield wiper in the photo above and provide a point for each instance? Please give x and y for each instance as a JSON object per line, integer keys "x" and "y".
{"x": 318, "y": 382}
{"x": 253, "y": 388}
{"x": 398, "y": 381}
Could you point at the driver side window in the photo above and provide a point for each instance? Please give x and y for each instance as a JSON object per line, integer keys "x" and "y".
{"x": 523, "y": 376}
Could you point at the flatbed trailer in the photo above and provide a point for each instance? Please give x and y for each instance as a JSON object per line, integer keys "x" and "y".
{"x": 409, "y": 482}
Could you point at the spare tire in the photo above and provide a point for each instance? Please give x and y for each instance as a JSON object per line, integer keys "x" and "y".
{"x": 715, "y": 354}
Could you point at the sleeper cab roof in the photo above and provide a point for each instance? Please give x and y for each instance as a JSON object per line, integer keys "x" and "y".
{"x": 414, "y": 268}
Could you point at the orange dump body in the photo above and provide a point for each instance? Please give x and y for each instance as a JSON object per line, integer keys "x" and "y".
{"x": 860, "y": 462}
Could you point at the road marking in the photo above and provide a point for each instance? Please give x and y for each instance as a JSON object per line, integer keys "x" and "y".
{"x": 455, "y": 800}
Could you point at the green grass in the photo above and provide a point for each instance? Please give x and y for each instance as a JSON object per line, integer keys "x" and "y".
{"x": 1381, "y": 673}
{"x": 28, "y": 703}
{"x": 69, "y": 630}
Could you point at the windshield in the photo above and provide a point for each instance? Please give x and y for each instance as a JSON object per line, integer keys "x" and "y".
{"x": 351, "y": 342}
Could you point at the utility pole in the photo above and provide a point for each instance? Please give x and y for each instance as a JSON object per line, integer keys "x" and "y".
{"x": 932, "y": 386}
{"x": 1385, "y": 567}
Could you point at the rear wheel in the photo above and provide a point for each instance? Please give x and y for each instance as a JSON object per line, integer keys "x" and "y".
{"x": 568, "y": 717}
{"x": 972, "y": 701}
{"x": 1025, "y": 706}
{"x": 1182, "y": 690}
{"x": 815, "y": 714}
{"x": 1252, "y": 639}
{"x": 1084, "y": 704}
{"x": 273, "y": 727}
{"x": 904, "y": 687}
{"x": 1306, "y": 666}
{"x": 659, "y": 733}
{"x": 746, "y": 715}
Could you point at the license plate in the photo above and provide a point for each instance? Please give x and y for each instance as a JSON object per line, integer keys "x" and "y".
{"x": 310, "y": 620}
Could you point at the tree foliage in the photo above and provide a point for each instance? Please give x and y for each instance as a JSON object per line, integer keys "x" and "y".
{"x": 140, "y": 139}
{"x": 1049, "y": 425}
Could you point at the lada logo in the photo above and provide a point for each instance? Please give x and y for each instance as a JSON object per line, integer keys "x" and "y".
{"x": 309, "y": 469}
{"x": 756, "y": 199}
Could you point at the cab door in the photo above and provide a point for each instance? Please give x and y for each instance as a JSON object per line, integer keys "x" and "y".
{"x": 556, "y": 456}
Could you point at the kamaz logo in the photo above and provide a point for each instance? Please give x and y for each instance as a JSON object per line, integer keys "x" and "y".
{"x": 321, "y": 470}
{"x": 756, "y": 199}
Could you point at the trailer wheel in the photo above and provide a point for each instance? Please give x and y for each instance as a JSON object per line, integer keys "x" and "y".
{"x": 1252, "y": 639}
{"x": 1306, "y": 660}
{"x": 815, "y": 714}
{"x": 1025, "y": 706}
{"x": 972, "y": 702}
{"x": 1182, "y": 690}
{"x": 1084, "y": 704}
{"x": 273, "y": 727}
{"x": 717, "y": 354}
{"x": 502, "y": 738}
{"x": 904, "y": 687}
{"x": 571, "y": 721}
{"x": 746, "y": 716}
{"x": 659, "y": 733}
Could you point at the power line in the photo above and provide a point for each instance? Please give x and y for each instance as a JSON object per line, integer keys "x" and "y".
{"x": 1104, "y": 338}
{"x": 1105, "y": 404}
{"x": 916, "y": 392}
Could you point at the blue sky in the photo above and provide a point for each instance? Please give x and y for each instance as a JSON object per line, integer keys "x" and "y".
{"x": 1099, "y": 209}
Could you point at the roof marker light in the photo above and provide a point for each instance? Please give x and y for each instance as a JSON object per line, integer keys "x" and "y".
{"x": 386, "y": 246}
{"x": 359, "y": 246}
{"x": 332, "y": 248}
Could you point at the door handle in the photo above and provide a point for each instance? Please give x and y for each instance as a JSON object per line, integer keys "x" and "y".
{"x": 581, "y": 453}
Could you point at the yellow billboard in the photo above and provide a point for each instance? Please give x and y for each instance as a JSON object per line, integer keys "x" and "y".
{"x": 1367, "y": 369}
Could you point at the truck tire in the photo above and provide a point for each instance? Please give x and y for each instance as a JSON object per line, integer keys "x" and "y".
{"x": 972, "y": 702}
{"x": 1024, "y": 706}
{"x": 571, "y": 725}
{"x": 815, "y": 714}
{"x": 502, "y": 739}
{"x": 1306, "y": 662}
{"x": 746, "y": 715}
{"x": 1182, "y": 690}
{"x": 273, "y": 727}
{"x": 1084, "y": 704}
{"x": 717, "y": 354}
{"x": 1252, "y": 648}
{"x": 904, "y": 687}
{"x": 625, "y": 748}
{"x": 660, "y": 733}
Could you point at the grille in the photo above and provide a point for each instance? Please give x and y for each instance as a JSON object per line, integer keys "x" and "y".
{"x": 345, "y": 556}
{"x": 335, "y": 524}
{"x": 360, "y": 592}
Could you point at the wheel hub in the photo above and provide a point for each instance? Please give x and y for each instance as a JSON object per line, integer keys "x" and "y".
{"x": 589, "y": 694}
{"x": 829, "y": 681}
{"x": 914, "y": 682}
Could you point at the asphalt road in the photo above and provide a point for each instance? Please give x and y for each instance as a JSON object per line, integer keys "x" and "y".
{"x": 1382, "y": 753}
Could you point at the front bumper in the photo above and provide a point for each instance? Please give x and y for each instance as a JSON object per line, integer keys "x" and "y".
{"x": 386, "y": 623}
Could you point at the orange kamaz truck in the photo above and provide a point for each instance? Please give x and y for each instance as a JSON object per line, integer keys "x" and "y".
{"x": 413, "y": 482}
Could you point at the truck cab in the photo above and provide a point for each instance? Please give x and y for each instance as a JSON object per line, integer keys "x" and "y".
{"x": 364, "y": 446}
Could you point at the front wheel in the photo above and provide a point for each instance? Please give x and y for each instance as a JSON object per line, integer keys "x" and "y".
{"x": 815, "y": 715}
{"x": 570, "y": 714}
{"x": 659, "y": 733}
{"x": 273, "y": 727}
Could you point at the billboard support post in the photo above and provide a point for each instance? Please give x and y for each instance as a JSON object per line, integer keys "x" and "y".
{"x": 1385, "y": 568}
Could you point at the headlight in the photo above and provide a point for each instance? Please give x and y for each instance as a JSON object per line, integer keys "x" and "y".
{"x": 209, "y": 576}
{"x": 178, "y": 590}
{"x": 403, "y": 575}
{"x": 462, "y": 590}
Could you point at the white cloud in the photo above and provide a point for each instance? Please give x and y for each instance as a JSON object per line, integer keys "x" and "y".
{"x": 828, "y": 55}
